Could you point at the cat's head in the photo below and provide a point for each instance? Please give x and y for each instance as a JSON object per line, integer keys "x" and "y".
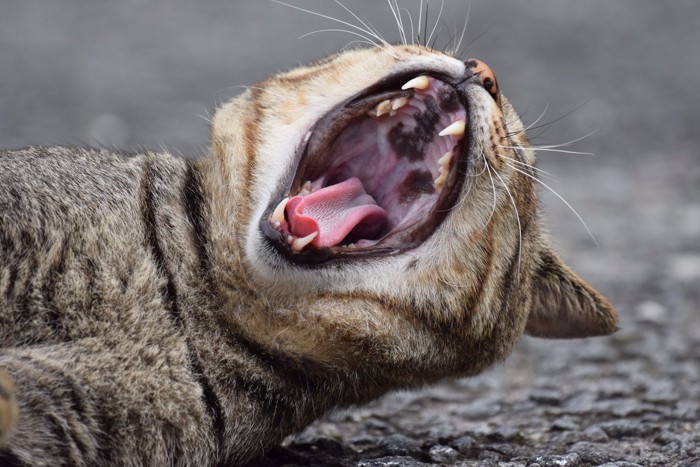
{"x": 380, "y": 207}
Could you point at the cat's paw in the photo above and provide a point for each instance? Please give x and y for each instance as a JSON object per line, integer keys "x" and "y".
{"x": 8, "y": 406}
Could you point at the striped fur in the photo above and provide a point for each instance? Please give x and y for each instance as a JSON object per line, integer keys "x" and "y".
{"x": 144, "y": 321}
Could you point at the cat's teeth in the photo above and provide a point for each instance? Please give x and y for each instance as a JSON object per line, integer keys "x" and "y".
{"x": 306, "y": 188}
{"x": 399, "y": 102}
{"x": 300, "y": 243}
{"x": 384, "y": 107}
{"x": 278, "y": 213}
{"x": 455, "y": 129}
{"x": 421, "y": 83}
{"x": 444, "y": 161}
{"x": 440, "y": 181}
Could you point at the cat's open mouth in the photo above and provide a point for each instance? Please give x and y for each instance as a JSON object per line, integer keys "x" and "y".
{"x": 377, "y": 174}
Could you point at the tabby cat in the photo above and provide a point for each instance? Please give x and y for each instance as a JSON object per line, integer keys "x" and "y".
{"x": 364, "y": 224}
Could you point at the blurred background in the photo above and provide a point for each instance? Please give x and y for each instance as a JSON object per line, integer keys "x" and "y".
{"x": 147, "y": 74}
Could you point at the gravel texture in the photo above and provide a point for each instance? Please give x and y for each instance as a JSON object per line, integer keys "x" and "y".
{"x": 140, "y": 74}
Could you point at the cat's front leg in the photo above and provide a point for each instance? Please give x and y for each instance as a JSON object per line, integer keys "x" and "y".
{"x": 93, "y": 403}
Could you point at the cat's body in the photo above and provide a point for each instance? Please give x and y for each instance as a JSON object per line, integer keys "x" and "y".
{"x": 147, "y": 318}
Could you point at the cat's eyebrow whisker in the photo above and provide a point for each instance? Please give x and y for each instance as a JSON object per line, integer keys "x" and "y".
{"x": 563, "y": 200}
{"x": 366, "y": 24}
{"x": 464, "y": 29}
{"x": 410, "y": 19}
{"x": 276, "y": 94}
{"x": 379, "y": 46}
{"x": 549, "y": 149}
{"x": 437, "y": 21}
{"x": 517, "y": 217}
{"x": 354, "y": 26}
{"x": 473, "y": 41}
{"x": 399, "y": 22}
{"x": 420, "y": 18}
{"x": 346, "y": 46}
{"x": 376, "y": 33}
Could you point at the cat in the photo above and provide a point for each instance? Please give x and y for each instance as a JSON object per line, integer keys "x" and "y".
{"x": 366, "y": 223}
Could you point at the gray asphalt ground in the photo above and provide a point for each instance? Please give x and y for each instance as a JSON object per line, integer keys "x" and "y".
{"x": 136, "y": 73}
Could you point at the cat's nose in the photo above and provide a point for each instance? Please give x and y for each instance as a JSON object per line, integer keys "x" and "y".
{"x": 485, "y": 75}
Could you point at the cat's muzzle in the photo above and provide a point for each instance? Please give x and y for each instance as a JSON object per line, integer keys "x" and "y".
{"x": 379, "y": 172}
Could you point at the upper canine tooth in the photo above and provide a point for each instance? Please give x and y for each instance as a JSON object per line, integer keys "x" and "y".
{"x": 399, "y": 102}
{"x": 278, "y": 213}
{"x": 384, "y": 107}
{"x": 456, "y": 128}
{"x": 300, "y": 243}
{"x": 305, "y": 188}
{"x": 420, "y": 82}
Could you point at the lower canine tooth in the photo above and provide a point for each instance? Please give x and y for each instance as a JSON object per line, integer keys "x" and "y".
{"x": 300, "y": 243}
{"x": 306, "y": 188}
{"x": 421, "y": 82}
{"x": 278, "y": 214}
{"x": 456, "y": 129}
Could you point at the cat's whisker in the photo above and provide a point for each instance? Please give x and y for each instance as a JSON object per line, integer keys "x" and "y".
{"x": 493, "y": 186}
{"x": 420, "y": 18}
{"x": 473, "y": 41}
{"x": 527, "y": 166}
{"x": 349, "y": 44}
{"x": 464, "y": 29}
{"x": 463, "y": 197}
{"x": 569, "y": 143}
{"x": 532, "y": 127}
{"x": 366, "y": 24}
{"x": 437, "y": 21}
{"x": 517, "y": 217}
{"x": 546, "y": 107}
{"x": 410, "y": 19}
{"x": 337, "y": 20}
{"x": 376, "y": 32}
{"x": 379, "y": 46}
{"x": 393, "y": 5}
{"x": 549, "y": 149}
{"x": 563, "y": 200}
{"x": 276, "y": 94}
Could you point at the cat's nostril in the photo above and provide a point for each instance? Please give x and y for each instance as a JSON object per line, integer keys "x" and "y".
{"x": 487, "y": 78}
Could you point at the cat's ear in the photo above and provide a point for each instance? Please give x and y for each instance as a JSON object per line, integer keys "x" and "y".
{"x": 564, "y": 305}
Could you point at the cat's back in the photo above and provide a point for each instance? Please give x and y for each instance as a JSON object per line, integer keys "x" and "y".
{"x": 44, "y": 189}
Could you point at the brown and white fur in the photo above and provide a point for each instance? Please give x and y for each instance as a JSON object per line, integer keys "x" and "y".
{"x": 143, "y": 320}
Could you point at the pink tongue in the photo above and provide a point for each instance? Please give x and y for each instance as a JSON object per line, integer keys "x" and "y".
{"x": 334, "y": 212}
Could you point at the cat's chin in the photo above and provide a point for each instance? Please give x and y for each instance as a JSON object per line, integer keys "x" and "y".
{"x": 377, "y": 174}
